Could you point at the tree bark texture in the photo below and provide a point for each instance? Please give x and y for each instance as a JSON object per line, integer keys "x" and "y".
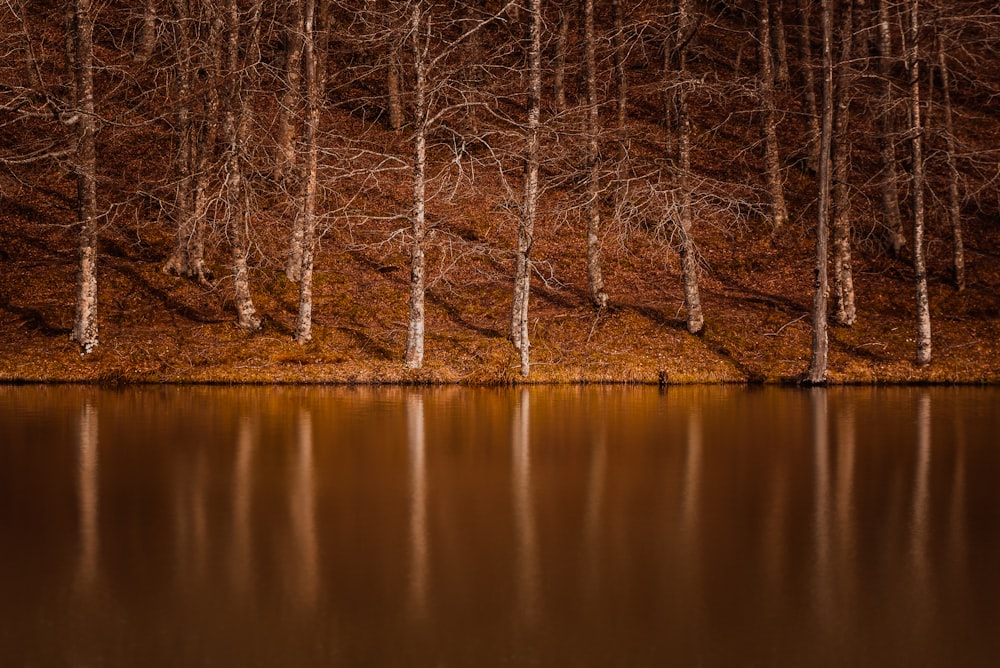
{"x": 954, "y": 202}
{"x": 288, "y": 109}
{"x": 234, "y": 130}
{"x": 819, "y": 353}
{"x": 844, "y": 311}
{"x": 415, "y": 329}
{"x": 85, "y": 165}
{"x": 689, "y": 258}
{"x": 526, "y": 224}
{"x": 923, "y": 313}
{"x": 769, "y": 119}
{"x": 303, "y": 327}
{"x": 592, "y": 133}
{"x": 147, "y": 33}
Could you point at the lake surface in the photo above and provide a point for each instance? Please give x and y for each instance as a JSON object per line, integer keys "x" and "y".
{"x": 455, "y": 527}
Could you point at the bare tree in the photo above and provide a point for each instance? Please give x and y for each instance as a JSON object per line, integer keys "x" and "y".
{"x": 819, "y": 354}
{"x": 526, "y": 222}
{"x": 235, "y": 124}
{"x": 415, "y": 328}
{"x": 844, "y": 309}
{"x": 559, "y": 68}
{"x": 592, "y": 133}
{"x": 781, "y": 75}
{"x": 809, "y": 106}
{"x": 394, "y": 74}
{"x": 81, "y": 55}
{"x": 769, "y": 116}
{"x": 147, "y": 34}
{"x": 887, "y": 147}
{"x": 954, "y": 204}
{"x": 917, "y": 156}
{"x": 681, "y": 164}
{"x": 303, "y": 328}
{"x": 288, "y": 109}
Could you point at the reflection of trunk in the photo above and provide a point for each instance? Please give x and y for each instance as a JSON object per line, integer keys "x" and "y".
{"x": 809, "y": 107}
{"x": 524, "y": 516}
{"x": 682, "y": 169}
{"x": 419, "y": 540}
{"x": 235, "y": 128}
{"x": 954, "y": 206}
{"x": 592, "y": 130}
{"x": 820, "y": 341}
{"x": 415, "y": 330}
{"x": 769, "y": 119}
{"x": 303, "y": 328}
{"x": 821, "y": 505}
{"x": 526, "y": 223}
{"x": 88, "y": 492}
{"x": 85, "y": 165}
{"x": 303, "y": 511}
{"x": 242, "y": 552}
{"x": 843, "y": 276}
{"x": 887, "y": 146}
{"x": 916, "y": 147}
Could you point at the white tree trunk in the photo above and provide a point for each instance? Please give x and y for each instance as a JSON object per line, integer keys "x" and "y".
{"x": 592, "y": 131}
{"x": 303, "y": 328}
{"x": 415, "y": 329}
{"x": 917, "y": 152}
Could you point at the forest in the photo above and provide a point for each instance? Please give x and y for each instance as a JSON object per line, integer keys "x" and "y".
{"x": 493, "y": 191}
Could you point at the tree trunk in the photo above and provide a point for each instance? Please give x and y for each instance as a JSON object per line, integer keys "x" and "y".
{"x": 820, "y": 342}
{"x": 916, "y": 147}
{"x": 288, "y": 111}
{"x": 889, "y": 178}
{"x": 526, "y": 224}
{"x": 769, "y": 120}
{"x": 809, "y": 106}
{"x": 303, "y": 328}
{"x": 32, "y": 73}
{"x": 618, "y": 56}
{"x": 844, "y": 310}
{"x": 689, "y": 260}
{"x": 559, "y": 75}
{"x": 234, "y": 129}
{"x": 188, "y": 258}
{"x": 592, "y": 132}
{"x": 147, "y": 34}
{"x": 782, "y": 76}
{"x": 415, "y": 329}
{"x": 954, "y": 203}
{"x": 393, "y": 83}
{"x": 85, "y": 165}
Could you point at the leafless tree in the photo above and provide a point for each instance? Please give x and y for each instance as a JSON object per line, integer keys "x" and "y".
{"x": 80, "y": 41}
{"x": 844, "y": 309}
{"x": 303, "y": 327}
{"x": 592, "y": 133}
{"x": 953, "y": 204}
{"x": 917, "y": 156}
{"x": 819, "y": 354}
{"x": 889, "y": 177}
{"x": 769, "y": 119}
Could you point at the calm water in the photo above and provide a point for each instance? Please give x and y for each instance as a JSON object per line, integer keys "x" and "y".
{"x": 454, "y": 527}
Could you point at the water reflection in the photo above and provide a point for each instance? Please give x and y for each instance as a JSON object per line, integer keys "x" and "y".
{"x": 580, "y": 526}
{"x": 524, "y": 513}
{"x": 419, "y": 548}
{"x": 88, "y": 493}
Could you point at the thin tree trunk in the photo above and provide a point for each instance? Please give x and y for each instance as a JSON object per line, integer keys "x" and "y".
{"x": 689, "y": 260}
{"x": 393, "y": 83}
{"x": 415, "y": 329}
{"x": 954, "y": 203}
{"x": 769, "y": 122}
{"x": 671, "y": 43}
{"x": 288, "y": 111}
{"x": 234, "y": 129}
{"x": 782, "y": 76}
{"x": 592, "y": 131}
{"x": 916, "y": 146}
{"x": 526, "y": 224}
{"x": 147, "y": 35}
{"x": 32, "y": 74}
{"x": 889, "y": 178}
{"x": 809, "y": 106}
{"x": 188, "y": 258}
{"x": 820, "y": 342}
{"x": 303, "y": 328}
{"x": 559, "y": 75}
{"x": 82, "y": 57}
{"x": 618, "y": 57}
{"x": 844, "y": 309}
